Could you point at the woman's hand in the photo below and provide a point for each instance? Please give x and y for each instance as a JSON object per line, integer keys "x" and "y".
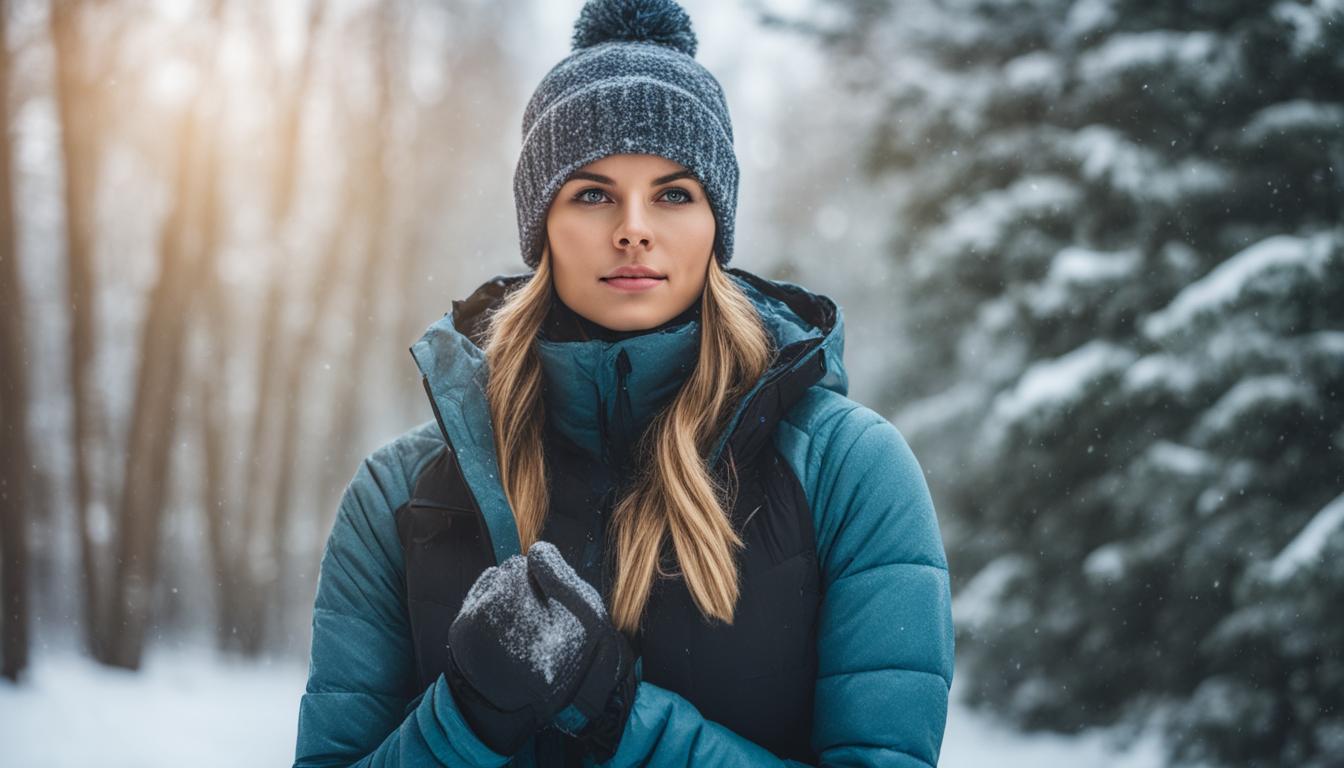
{"x": 532, "y": 638}
{"x": 606, "y": 690}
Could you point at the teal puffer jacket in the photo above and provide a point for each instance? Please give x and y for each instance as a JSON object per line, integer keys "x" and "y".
{"x": 884, "y": 630}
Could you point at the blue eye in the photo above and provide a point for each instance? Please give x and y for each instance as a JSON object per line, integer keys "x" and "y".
{"x": 580, "y": 197}
{"x": 686, "y": 196}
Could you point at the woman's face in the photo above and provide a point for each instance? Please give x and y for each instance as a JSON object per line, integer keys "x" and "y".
{"x": 618, "y": 215}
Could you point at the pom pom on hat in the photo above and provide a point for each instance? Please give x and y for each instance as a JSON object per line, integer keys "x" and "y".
{"x": 655, "y": 21}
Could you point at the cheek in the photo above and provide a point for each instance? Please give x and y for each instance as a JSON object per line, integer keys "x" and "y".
{"x": 696, "y": 241}
{"x": 690, "y": 281}
{"x": 566, "y": 229}
{"x": 572, "y": 249}
{"x": 573, "y": 282}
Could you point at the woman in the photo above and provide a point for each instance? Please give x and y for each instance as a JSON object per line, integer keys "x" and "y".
{"x": 657, "y": 532}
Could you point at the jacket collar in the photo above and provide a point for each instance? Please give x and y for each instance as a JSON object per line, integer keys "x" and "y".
{"x": 602, "y": 393}
{"x": 807, "y": 330}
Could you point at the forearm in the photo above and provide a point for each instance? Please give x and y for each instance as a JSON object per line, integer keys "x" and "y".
{"x": 666, "y": 729}
{"x": 432, "y": 734}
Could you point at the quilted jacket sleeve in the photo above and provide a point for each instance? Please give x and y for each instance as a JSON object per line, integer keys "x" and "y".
{"x": 885, "y": 635}
{"x": 356, "y": 710}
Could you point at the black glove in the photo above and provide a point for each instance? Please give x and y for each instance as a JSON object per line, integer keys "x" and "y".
{"x": 606, "y": 689}
{"x": 524, "y": 645}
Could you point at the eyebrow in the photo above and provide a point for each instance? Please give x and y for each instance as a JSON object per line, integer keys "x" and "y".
{"x": 599, "y": 178}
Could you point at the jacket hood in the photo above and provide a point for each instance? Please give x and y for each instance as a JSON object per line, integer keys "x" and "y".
{"x": 596, "y": 377}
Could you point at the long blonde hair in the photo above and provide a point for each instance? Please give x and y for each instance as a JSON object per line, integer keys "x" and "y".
{"x": 673, "y": 493}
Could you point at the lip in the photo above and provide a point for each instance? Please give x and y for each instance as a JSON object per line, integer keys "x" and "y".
{"x": 632, "y": 284}
{"x": 633, "y": 278}
{"x": 634, "y": 270}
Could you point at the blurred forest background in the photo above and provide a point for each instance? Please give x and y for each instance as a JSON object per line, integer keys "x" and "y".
{"x": 1090, "y": 254}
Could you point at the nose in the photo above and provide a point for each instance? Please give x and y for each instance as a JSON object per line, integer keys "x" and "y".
{"x": 633, "y": 227}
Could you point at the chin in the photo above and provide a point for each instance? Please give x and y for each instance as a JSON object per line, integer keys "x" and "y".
{"x": 632, "y": 319}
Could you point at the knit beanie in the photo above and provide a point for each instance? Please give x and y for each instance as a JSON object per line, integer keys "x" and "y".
{"x": 631, "y": 85}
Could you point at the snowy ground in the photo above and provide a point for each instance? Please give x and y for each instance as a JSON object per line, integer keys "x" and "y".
{"x": 192, "y": 708}
{"x": 973, "y": 740}
{"x": 185, "y": 708}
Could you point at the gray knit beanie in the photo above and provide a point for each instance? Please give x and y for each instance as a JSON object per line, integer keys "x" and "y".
{"x": 631, "y": 85}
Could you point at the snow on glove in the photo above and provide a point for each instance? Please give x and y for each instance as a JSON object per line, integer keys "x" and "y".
{"x": 517, "y": 652}
{"x": 606, "y": 688}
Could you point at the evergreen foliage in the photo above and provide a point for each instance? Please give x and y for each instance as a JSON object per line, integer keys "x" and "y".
{"x": 1123, "y": 270}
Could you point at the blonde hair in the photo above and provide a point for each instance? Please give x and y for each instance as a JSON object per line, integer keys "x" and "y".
{"x": 673, "y": 494}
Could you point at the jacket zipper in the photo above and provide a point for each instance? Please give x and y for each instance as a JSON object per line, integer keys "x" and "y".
{"x": 624, "y": 414}
{"x": 783, "y": 370}
{"x": 614, "y": 455}
{"x": 435, "y": 405}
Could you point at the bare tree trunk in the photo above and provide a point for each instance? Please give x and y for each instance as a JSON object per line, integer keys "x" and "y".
{"x": 217, "y": 328}
{"x": 477, "y": 48}
{"x": 286, "y": 496}
{"x": 443, "y": 189}
{"x": 214, "y": 456}
{"x": 344, "y": 440}
{"x": 187, "y": 246}
{"x": 154, "y": 416}
{"x": 238, "y": 579}
{"x": 254, "y": 565}
{"x": 336, "y": 260}
{"x": 14, "y": 462}
{"x": 78, "y": 106}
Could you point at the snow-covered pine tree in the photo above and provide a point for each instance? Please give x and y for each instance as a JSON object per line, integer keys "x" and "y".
{"x": 1124, "y": 280}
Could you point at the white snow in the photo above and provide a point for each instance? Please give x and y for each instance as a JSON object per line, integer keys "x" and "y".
{"x": 1088, "y": 17}
{"x": 1161, "y": 371}
{"x": 1276, "y": 260}
{"x": 1149, "y": 51}
{"x": 1297, "y": 119}
{"x": 1078, "y": 273}
{"x": 980, "y": 600}
{"x": 185, "y": 707}
{"x": 1106, "y": 563}
{"x": 1058, "y": 384}
{"x": 1181, "y": 460}
{"x": 1305, "y": 548}
{"x": 1083, "y": 265}
{"x": 1245, "y": 403}
{"x": 545, "y": 635}
{"x": 980, "y": 226}
{"x": 191, "y": 707}
{"x": 928, "y": 415}
{"x": 975, "y": 740}
{"x": 1325, "y": 349}
{"x": 1309, "y": 21}
{"x": 1034, "y": 72}
{"x": 1108, "y": 157}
